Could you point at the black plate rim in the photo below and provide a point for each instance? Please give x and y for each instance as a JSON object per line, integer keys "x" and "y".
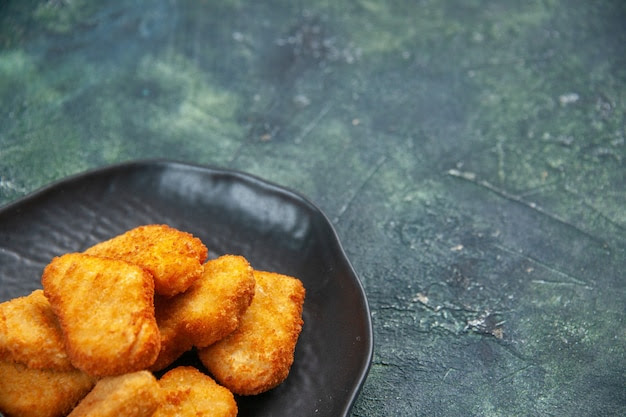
{"x": 241, "y": 176}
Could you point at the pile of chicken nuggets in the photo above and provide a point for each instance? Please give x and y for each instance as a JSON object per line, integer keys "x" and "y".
{"x": 109, "y": 318}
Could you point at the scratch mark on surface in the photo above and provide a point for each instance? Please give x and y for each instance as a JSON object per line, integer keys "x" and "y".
{"x": 308, "y": 128}
{"x": 237, "y": 151}
{"x": 594, "y": 209}
{"x": 558, "y": 283}
{"x": 356, "y": 191}
{"x": 449, "y": 371}
{"x": 471, "y": 177}
{"x": 603, "y": 216}
{"x": 500, "y": 152}
{"x": 512, "y": 374}
{"x": 513, "y": 351}
{"x": 569, "y": 278}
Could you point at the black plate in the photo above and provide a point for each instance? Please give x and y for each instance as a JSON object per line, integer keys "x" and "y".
{"x": 232, "y": 212}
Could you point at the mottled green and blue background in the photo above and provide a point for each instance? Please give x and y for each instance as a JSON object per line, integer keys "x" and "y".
{"x": 469, "y": 153}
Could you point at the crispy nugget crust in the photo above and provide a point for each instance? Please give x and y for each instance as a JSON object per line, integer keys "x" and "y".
{"x": 30, "y": 334}
{"x": 258, "y": 355}
{"x": 136, "y": 394}
{"x": 211, "y": 309}
{"x": 106, "y": 311}
{"x": 173, "y": 257}
{"x": 190, "y": 393}
{"x": 29, "y": 392}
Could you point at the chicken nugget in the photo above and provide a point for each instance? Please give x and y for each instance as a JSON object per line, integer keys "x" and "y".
{"x": 258, "y": 355}
{"x": 190, "y": 393}
{"x": 208, "y": 311}
{"x": 30, "y": 333}
{"x": 29, "y": 392}
{"x": 106, "y": 311}
{"x": 173, "y": 344}
{"x": 136, "y": 394}
{"x": 173, "y": 257}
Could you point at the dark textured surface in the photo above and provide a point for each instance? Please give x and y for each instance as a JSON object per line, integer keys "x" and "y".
{"x": 470, "y": 155}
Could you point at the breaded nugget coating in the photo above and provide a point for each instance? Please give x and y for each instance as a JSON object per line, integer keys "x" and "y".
{"x": 258, "y": 355}
{"x": 106, "y": 310}
{"x": 173, "y": 257}
{"x": 26, "y": 392}
{"x": 173, "y": 345}
{"x": 190, "y": 393}
{"x": 136, "y": 394}
{"x": 208, "y": 311}
{"x": 30, "y": 334}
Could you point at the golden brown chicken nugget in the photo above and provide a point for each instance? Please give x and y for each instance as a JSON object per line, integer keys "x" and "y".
{"x": 258, "y": 355}
{"x": 211, "y": 309}
{"x": 190, "y": 393}
{"x": 173, "y": 257}
{"x": 136, "y": 394}
{"x": 173, "y": 344}
{"x": 29, "y": 392}
{"x": 106, "y": 311}
{"x": 30, "y": 333}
